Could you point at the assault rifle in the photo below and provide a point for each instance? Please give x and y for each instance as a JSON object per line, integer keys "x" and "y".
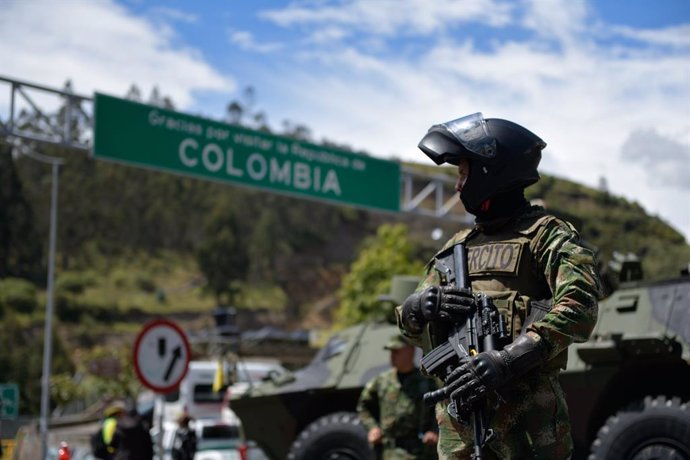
{"x": 483, "y": 329}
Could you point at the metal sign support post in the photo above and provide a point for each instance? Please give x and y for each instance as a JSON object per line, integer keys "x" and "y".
{"x": 48, "y": 330}
{"x": 161, "y": 432}
{"x": 48, "y": 334}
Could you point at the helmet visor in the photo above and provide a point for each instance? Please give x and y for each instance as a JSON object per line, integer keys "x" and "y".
{"x": 473, "y": 133}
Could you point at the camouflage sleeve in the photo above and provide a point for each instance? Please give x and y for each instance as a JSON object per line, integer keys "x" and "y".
{"x": 431, "y": 278}
{"x": 368, "y": 403}
{"x": 570, "y": 271}
{"x": 413, "y": 334}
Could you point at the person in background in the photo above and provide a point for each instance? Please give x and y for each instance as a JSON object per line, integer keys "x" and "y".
{"x": 391, "y": 407}
{"x": 112, "y": 414}
{"x": 64, "y": 452}
{"x": 132, "y": 440}
{"x": 184, "y": 444}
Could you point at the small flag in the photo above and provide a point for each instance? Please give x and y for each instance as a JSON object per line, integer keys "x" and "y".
{"x": 219, "y": 378}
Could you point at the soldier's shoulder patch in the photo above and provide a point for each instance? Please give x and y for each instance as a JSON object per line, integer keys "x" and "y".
{"x": 494, "y": 258}
{"x": 531, "y": 223}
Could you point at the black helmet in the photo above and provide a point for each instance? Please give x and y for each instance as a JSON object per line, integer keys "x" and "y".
{"x": 503, "y": 155}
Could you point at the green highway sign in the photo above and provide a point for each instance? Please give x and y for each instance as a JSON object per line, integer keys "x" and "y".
{"x": 151, "y": 137}
{"x": 9, "y": 401}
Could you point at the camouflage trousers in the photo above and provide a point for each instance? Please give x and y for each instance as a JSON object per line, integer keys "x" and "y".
{"x": 393, "y": 453}
{"x": 531, "y": 423}
{"x": 388, "y": 451}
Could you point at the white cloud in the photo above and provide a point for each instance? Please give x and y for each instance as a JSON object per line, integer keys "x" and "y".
{"x": 584, "y": 99}
{"x": 329, "y": 34}
{"x": 552, "y": 19}
{"x": 391, "y": 17}
{"x": 99, "y": 45}
{"x": 246, "y": 41}
{"x": 666, "y": 161}
{"x": 343, "y": 77}
{"x": 175, "y": 15}
{"x": 678, "y": 36}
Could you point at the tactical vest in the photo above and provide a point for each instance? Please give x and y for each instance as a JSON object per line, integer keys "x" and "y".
{"x": 502, "y": 266}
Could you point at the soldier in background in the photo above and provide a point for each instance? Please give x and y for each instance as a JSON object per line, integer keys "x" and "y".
{"x": 391, "y": 407}
{"x": 539, "y": 275}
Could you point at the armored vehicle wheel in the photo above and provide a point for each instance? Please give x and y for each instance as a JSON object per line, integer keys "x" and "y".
{"x": 657, "y": 428}
{"x": 338, "y": 436}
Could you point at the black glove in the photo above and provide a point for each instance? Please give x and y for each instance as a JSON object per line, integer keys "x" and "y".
{"x": 489, "y": 370}
{"x": 446, "y": 303}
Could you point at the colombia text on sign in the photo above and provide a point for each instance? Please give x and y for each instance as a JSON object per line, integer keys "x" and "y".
{"x": 161, "y": 139}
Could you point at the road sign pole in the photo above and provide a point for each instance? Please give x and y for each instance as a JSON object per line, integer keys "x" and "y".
{"x": 161, "y": 432}
{"x": 161, "y": 356}
{"x": 48, "y": 328}
{"x": 48, "y": 333}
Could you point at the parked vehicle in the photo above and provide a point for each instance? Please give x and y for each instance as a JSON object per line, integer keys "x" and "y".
{"x": 216, "y": 440}
{"x": 197, "y": 397}
{"x": 219, "y": 431}
{"x": 316, "y": 405}
{"x": 219, "y": 440}
{"x": 627, "y": 387}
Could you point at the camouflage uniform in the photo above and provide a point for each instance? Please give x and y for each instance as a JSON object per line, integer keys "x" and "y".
{"x": 403, "y": 417}
{"x": 534, "y": 256}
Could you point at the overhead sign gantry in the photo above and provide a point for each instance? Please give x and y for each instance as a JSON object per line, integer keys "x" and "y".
{"x": 155, "y": 138}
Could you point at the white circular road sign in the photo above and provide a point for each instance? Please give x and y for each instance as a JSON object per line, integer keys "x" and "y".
{"x": 161, "y": 355}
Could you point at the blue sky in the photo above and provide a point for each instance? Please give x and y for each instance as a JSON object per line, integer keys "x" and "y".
{"x": 606, "y": 83}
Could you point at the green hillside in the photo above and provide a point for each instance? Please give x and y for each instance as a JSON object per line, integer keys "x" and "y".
{"x": 133, "y": 244}
{"x": 132, "y": 240}
{"x": 610, "y": 223}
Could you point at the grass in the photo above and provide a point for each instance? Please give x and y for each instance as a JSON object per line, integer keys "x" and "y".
{"x": 158, "y": 284}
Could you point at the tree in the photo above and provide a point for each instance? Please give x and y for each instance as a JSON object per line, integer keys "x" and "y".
{"x": 17, "y": 295}
{"x": 134, "y": 93}
{"x": 102, "y": 373}
{"x": 21, "y": 363}
{"x": 234, "y": 112}
{"x": 389, "y": 253}
{"x": 20, "y": 247}
{"x": 265, "y": 246}
{"x": 222, "y": 256}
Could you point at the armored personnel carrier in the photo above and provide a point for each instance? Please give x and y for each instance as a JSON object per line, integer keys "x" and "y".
{"x": 627, "y": 387}
{"x": 310, "y": 414}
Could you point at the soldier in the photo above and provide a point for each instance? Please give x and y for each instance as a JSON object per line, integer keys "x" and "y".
{"x": 392, "y": 410}
{"x": 518, "y": 255}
